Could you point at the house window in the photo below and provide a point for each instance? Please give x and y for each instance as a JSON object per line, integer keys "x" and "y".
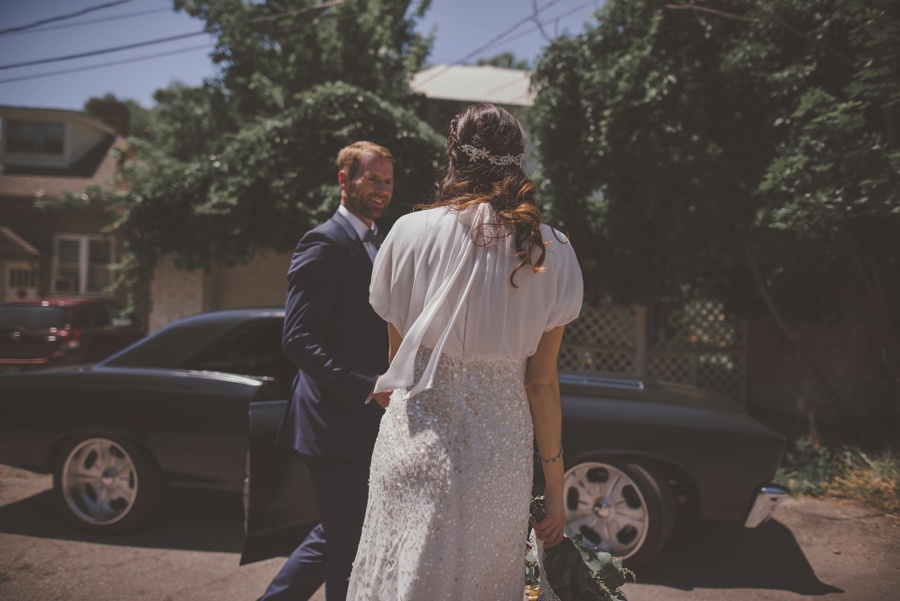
{"x": 84, "y": 265}
{"x": 22, "y": 278}
{"x": 35, "y": 137}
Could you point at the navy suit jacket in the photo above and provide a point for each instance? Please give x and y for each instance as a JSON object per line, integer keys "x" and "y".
{"x": 337, "y": 341}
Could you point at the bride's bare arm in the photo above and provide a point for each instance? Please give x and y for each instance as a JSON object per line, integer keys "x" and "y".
{"x": 394, "y": 340}
{"x": 542, "y": 388}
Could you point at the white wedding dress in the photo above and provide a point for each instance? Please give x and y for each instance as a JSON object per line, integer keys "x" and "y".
{"x": 450, "y": 481}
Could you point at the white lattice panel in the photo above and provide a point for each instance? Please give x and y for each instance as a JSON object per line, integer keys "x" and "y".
{"x": 589, "y": 359}
{"x": 722, "y": 372}
{"x": 695, "y": 343}
{"x": 607, "y": 326}
{"x": 696, "y": 324}
{"x": 673, "y": 367}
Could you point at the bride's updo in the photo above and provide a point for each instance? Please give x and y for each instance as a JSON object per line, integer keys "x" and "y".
{"x": 485, "y": 147}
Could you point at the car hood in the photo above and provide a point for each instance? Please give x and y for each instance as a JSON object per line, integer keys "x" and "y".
{"x": 658, "y": 392}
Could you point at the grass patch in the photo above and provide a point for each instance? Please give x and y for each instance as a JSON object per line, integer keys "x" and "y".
{"x": 847, "y": 474}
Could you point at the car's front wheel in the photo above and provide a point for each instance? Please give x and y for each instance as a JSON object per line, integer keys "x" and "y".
{"x": 620, "y": 506}
{"x": 106, "y": 484}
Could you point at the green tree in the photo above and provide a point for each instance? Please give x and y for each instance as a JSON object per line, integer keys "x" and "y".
{"x": 269, "y": 51}
{"x": 263, "y": 186}
{"x": 507, "y": 60}
{"x": 190, "y": 121}
{"x": 743, "y": 150}
{"x": 245, "y": 162}
{"x": 139, "y": 118}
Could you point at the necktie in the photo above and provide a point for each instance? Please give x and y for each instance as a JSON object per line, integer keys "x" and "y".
{"x": 373, "y": 239}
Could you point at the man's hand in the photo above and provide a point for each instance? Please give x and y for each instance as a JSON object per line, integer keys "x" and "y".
{"x": 383, "y": 398}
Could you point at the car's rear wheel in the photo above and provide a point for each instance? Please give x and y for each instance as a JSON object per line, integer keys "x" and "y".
{"x": 106, "y": 484}
{"x": 620, "y": 506}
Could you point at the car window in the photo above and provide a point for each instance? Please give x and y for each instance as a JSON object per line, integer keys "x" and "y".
{"x": 252, "y": 350}
{"x": 32, "y": 317}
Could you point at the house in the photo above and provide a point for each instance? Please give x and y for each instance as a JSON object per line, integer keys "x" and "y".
{"x": 43, "y": 153}
{"x": 447, "y": 89}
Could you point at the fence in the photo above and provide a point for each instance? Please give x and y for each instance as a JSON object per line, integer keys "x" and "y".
{"x": 693, "y": 343}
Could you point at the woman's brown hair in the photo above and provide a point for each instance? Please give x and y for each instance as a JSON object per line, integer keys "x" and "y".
{"x": 476, "y": 179}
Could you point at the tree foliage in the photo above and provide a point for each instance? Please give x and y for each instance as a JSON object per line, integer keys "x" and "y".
{"x": 270, "y": 51}
{"x": 245, "y": 162}
{"x": 689, "y": 137}
{"x": 264, "y": 186}
{"x": 506, "y": 60}
{"x": 743, "y": 150}
{"x": 139, "y": 118}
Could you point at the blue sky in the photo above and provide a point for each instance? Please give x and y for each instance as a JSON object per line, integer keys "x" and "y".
{"x": 462, "y": 26}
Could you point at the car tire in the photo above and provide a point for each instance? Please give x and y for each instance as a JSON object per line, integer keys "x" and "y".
{"x": 106, "y": 484}
{"x": 621, "y": 506}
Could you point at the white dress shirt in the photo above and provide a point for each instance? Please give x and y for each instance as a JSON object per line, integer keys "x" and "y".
{"x": 361, "y": 230}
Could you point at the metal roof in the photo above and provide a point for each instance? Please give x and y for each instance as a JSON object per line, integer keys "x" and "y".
{"x": 469, "y": 83}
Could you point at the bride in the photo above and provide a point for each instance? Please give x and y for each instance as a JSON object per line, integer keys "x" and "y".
{"x": 476, "y": 292}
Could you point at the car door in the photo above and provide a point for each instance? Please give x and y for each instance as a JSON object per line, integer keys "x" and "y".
{"x": 279, "y": 507}
{"x": 106, "y": 330}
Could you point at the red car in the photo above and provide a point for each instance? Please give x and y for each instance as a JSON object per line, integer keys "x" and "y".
{"x": 38, "y": 334}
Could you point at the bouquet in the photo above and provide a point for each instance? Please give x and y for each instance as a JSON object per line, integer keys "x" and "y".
{"x": 574, "y": 571}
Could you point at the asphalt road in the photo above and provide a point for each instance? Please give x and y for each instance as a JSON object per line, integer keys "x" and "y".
{"x": 812, "y": 548}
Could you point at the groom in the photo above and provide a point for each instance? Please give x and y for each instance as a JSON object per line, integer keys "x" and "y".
{"x": 340, "y": 346}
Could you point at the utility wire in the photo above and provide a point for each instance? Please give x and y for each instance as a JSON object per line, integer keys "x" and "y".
{"x": 85, "y": 11}
{"x": 522, "y": 34}
{"x": 495, "y": 40}
{"x": 69, "y": 57}
{"x": 135, "y": 59}
{"x": 298, "y": 11}
{"x": 109, "y": 64}
{"x": 92, "y": 21}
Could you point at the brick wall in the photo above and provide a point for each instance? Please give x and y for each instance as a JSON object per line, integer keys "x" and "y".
{"x": 175, "y": 293}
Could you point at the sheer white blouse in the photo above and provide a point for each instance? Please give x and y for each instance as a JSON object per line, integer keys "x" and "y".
{"x": 442, "y": 278}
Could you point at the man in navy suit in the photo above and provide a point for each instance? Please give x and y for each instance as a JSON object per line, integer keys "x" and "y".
{"x": 340, "y": 345}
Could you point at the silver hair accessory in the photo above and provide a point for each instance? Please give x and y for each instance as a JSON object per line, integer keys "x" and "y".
{"x": 481, "y": 154}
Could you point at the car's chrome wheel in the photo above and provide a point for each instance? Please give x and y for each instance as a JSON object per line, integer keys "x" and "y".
{"x": 622, "y": 508}
{"x": 106, "y": 484}
{"x": 99, "y": 481}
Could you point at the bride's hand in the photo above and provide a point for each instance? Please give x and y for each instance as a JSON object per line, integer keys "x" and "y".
{"x": 550, "y": 530}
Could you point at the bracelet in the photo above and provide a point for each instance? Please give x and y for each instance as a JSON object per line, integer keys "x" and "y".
{"x": 552, "y": 459}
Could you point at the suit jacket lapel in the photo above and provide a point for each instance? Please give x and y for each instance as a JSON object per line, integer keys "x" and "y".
{"x": 359, "y": 251}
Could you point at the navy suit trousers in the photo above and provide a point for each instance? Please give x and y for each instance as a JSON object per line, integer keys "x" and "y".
{"x": 341, "y": 490}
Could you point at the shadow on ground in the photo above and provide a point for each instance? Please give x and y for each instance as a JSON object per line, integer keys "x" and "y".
{"x": 728, "y": 556}
{"x": 196, "y": 522}
{"x": 712, "y": 555}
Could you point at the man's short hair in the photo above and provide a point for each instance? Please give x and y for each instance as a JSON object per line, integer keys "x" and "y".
{"x": 350, "y": 156}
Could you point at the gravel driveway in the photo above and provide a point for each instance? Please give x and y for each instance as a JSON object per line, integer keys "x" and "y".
{"x": 191, "y": 552}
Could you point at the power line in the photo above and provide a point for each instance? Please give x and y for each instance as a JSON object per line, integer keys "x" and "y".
{"x": 92, "y": 21}
{"x": 494, "y": 41}
{"x": 109, "y": 64}
{"x": 529, "y": 31}
{"x": 85, "y": 11}
{"x": 136, "y": 59}
{"x": 69, "y": 57}
{"x": 298, "y": 11}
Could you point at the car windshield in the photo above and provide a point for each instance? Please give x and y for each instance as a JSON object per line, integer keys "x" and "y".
{"x": 32, "y": 317}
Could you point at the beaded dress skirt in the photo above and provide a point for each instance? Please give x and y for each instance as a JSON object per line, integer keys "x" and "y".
{"x": 449, "y": 488}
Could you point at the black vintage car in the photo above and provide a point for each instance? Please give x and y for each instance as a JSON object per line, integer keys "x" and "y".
{"x": 172, "y": 411}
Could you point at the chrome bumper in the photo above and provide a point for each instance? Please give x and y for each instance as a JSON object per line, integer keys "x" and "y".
{"x": 767, "y": 499}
